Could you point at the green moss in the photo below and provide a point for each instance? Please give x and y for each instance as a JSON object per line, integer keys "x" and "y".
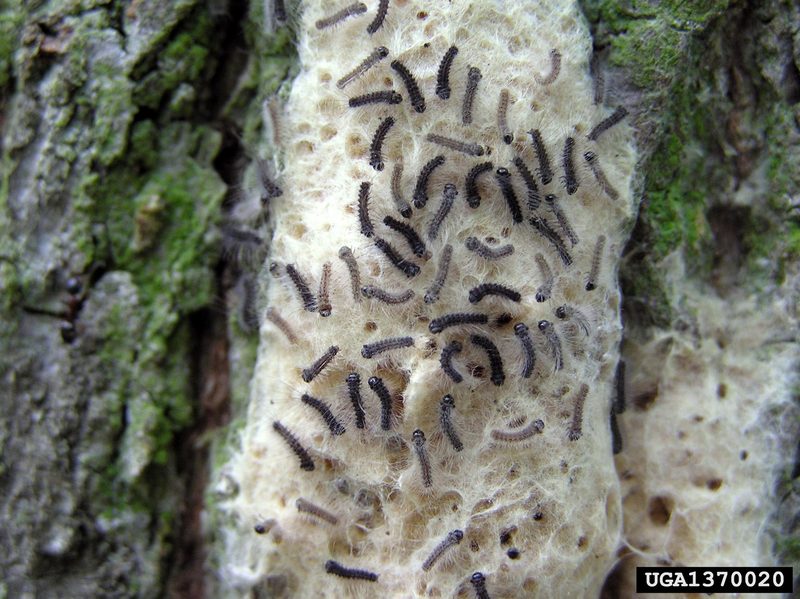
{"x": 11, "y": 19}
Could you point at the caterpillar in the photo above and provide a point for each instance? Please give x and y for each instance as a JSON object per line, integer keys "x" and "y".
{"x": 473, "y": 244}
{"x": 307, "y": 507}
{"x": 371, "y": 291}
{"x": 446, "y": 361}
{"x": 412, "y": 237}
{"x": 615, "y": 117}
{"x": 470, "y": 149}
{"x": 346, "y": 255}
{"x": 521, "y": 331}
{"x": 478, "y": 581}
{"x": 269, "y": 189}
{"x": 473, "y": 78}
{"x": 310, "y": 373}
{"x": 432, "y": 293}
{"x": 570, "y": 178}
{"x": 545, "y": 171}
{"x": 408, "y": 268}
{"x": 370, "y": 350}
{"x": 497, "y": 377}
{"x": 618, "y": 404}
{"x": 325, "y": 307}
{"x": 352, "y": 10}
{"x": 337, "y": 569}
{"x": 533, "y": 190}
{"x": 552, "y": 202}
{"x": 534, "y": 428}
{"x": 437, "y": 325}
{"x": 397, "y": 195}
{"x": 306, "y": 463}
{"x": 591, "y": 283}
{"x": 388, "y": 96}
{"x": 555, "y": 69}
{"x": 473, "y": 197}
{"x": 375, "y": 148}
{"x": 371, "y": 60}
{"x": 379, "y": 388}
{"x": 309, "y": 301}
{"x": 547, "y": 329}
{"x": 567, "y": 312}
{"x": 422, "y": 454}
{"x": 380, "y": 16}
{"x": 575, "y": 429}
{"x": 546, "y": 288}
{"x": 502, "y": 121}
{"x": 443, "y": 74}
{"x": 600, "y": 176}
{"x": 453, "y": 538}
{"x": 544, "y": 229}
{"x": 446, "y": 406}
{"x": 325, "y": 411}
{"x": 414, "y": 94}
{"x": 354, "y": 391}
{"x": 420, "y": 190}
{"x": 448, "y": 197}
{"x": 477, "y": 293}
{"x": 504, "y": 181}
{"x": 275, "y": 318}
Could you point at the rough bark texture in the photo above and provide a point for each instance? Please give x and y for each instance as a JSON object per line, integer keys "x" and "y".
{"x": 123, "y": 126}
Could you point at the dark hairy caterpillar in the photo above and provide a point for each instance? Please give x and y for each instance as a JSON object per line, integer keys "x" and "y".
{"x": 325, "y": 307}
{"x": 306, "y": 463}
{"x": 600, "y": 176}
{"x": 615, "y": 117}
{"x": 388, "y": 96}
{"x": 309, "y": 301}
{"x": 325, "y": 411}
{"x": 533, "y": 190}
{"x": 570, "y": 178}
{"x": 421, "y": 188}
{"x": 443, "y": 74}
{"x": 477, "y": 293}
{"x": 547, "y": 232}
{"x": 549, "y": 332}
{"x": 407, "y": 268}
{"x": 552, "y": 202}
{"x": 497, "y": 377}
{"x": 354, "y": 391}
{"x": 310, "y": 373}
{"x": 446, "y": 361}
{"x": 504, "y": 181}
{"x": 337, "y": 569}
{"x": 379, "y": 388}
{"x": 414, "y": 94}
{"x": 478, "y": 581}
{"x": 437, "y": 325}
{"x": 370, "y": 350}
{"x": 380, "y": 16}
{"x": 412, "y": 237}
{"x": 591, "y": 283}
{"x": 275, "y": 318}
{"x": 445, "y": 419}
{"x": 473, "y": 197}
{"x": 546, "y": 288}
{"x": 545, "y": 172}
{"x": 376, "y": 147}
{"x": 575, "y": 429}
{"x": 521, "y": 331}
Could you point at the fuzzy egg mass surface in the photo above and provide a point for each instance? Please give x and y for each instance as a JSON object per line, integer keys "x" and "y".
{"x": 430, "y": 407}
